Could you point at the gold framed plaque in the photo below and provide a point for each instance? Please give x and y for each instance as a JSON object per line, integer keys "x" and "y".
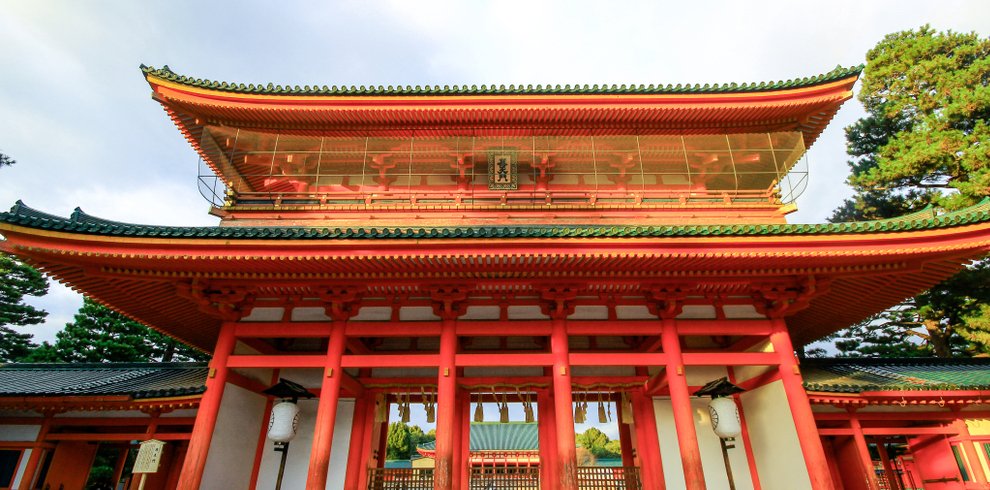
{"x": 503, "y": 173}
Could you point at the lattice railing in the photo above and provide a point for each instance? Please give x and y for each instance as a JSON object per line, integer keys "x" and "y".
{"x": 505, "y": 477}
{"x": 400, "y": 479}
{"x": 608, "y": 478}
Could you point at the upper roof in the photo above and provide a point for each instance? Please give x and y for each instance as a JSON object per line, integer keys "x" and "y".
{"x": 137, "y": 380}
{"x": 859, "y": 375}
{"x": 165, "y": 73}
{"x": 805, "y": 105}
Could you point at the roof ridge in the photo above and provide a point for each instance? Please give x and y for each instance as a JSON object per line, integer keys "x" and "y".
{"x": 80, "y": 366}
{"x": 166, "y": 73}
{"x": 23, "y": 215}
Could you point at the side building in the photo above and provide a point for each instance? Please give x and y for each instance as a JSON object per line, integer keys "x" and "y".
{"x": 558, "y": 247}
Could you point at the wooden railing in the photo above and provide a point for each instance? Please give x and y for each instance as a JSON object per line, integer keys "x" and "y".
{"x": 608, "y": 478}
{"x": 400, "y": 479}
{"x": 505, "y": 478}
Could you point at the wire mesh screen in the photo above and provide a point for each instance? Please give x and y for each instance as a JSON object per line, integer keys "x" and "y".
{"x": 608, "y": 478}
{"x": 400, "y": 479}
{"x": 260, "y": 167}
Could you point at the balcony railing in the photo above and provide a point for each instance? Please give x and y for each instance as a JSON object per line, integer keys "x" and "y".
{"x": 608, "y": 478}
{"x": 400, "y": 479}
{"x": 505, "y": 477}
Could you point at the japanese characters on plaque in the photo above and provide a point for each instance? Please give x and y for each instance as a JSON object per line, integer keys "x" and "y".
{"x": 149, "y": 456}
{"x": 502, "y": 172}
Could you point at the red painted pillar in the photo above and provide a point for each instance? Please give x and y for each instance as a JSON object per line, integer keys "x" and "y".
{"x": 966, "y": 442}
{"x": 462, "y": 458}
{"x": 31, "y": 469}
{"x": 625, "y": 438}
{"x": 358, "y": 428}
{"x": 648, "y": 441}
{"x": 566, "y": 446}
{"x": 863, "y": 451}
{"x": 326, "y": 411}
{"x": 443, "y": 476}
{"x": 209, "y": 407}
{"x": 893, "y": 482}
{"x": 259, "y": 449}
{"x": 548, "y": 439}
{"x": 680, "y": 400}
{"x": 797, "y": 399}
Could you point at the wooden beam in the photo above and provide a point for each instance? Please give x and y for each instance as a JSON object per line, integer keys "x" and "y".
{"x": 616, "y": 359}
{"x": 731, "y": 358}
{"x": 891, "y": 431}
{"x": 140, "y": 436}
{"x": 494, "y": 328}
{"x": 724, "y": 327}
{"x": 472, "y": 360}
{"x": 281, "y": 329}
{"x": 392, "y": 329}
{"x": 281, "y": 361}
{"x": 250, "y": 384}
{"x": 940, "y": 415}
{"x": 390, "y": 360}
{"x": 656, "y": 383}
{"x": 613, "y": 327}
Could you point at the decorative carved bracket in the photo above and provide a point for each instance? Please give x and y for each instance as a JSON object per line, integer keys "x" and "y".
{"x": 777, "y": 300}
{"x": 342, "y": 302}
{"x": 230, "y": 303}
{"x": 558, "y": 301}
{"x": 449, "y": 301}
{"x": 667, "y": 300}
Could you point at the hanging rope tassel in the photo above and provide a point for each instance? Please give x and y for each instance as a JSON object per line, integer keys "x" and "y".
{"x": 479, "y": 410}
{"x": 627, "y": 409}
{"x": 503, "y": 410}
{"x": 580, "y": 412}
{"x": 528, "y": 410}
{"x": 602, "y": 417}
{"x": 405, "y": 410}
{"x": 429, "y": 404}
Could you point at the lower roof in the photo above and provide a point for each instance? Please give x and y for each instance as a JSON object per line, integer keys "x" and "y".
{"x": 858, "y": 375}
{"x": 137, "y": 380}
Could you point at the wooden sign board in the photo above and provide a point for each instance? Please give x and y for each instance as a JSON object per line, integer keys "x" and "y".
{"x": 502, "y": 170}
{"x": 149, "y": 456}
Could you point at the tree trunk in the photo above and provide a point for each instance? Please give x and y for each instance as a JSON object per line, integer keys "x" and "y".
{"x": 938, "y": 338}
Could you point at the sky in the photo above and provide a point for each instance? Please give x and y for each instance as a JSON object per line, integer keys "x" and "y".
{"x": 77, "y": 116}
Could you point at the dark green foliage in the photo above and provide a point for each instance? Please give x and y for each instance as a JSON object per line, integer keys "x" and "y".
{"x": 18, "y": 280}
{"x": 923, "y": 142}
{"x": 5, "y": 160}
{"x": 402, "y": 440}
{"x": 99, "y": 334}
{"x": 598, "y": 444}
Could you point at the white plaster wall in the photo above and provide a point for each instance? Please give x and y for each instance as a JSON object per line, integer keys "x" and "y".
{"x": 670, "y": 452}
{"x": 235, "y": 438}
{"x": 297, "y": 463}
{"x": 779, "y": 459}
{"x": 712, "y": 463}
{"x": 14, "y": 433}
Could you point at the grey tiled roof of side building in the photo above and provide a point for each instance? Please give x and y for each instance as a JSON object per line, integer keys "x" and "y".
{"x": 138, "y": 380}
{"x": 856, "y": 375}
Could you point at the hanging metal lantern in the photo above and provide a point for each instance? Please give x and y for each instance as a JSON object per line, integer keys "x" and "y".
{"x": 284, "y": 421}
{"x": 725, "y": 417}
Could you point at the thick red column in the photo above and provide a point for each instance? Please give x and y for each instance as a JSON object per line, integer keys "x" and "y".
{"x": 797, "y": 398}
{"x": 893, "y": 482}
{"x": 548, "y": 438}
{"x": 259, "y": 449}
{"x": 447, "y": 420}
{"x": 462, "y": 458}
{"x": 863, "y": 451}
{"x": 326, "y": 411}
{"x": 362, "y": 410}
{"x": 209, "y": 407}
{"x": 566, "y": 447}
{"x": 680, "y": 401}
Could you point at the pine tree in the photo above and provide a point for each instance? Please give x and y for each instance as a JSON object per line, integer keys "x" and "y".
{"x": 923, "y": 142}
{"x": 5, "y": 160}
{"x": 99, "y": 334}
{"x": 397, "y": 441}
{"x": 18, "y": 280}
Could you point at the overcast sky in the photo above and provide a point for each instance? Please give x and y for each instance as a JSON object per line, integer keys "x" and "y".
{"x": 77, "y": 116}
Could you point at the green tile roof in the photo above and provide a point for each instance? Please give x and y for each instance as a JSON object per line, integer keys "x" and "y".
{"x": 856, "y": 375}
{"x": 166, "y": 73}
{"x": 139, "y": 380}
{"x": 82, "y": 223}
{"x": 494, "y": 436}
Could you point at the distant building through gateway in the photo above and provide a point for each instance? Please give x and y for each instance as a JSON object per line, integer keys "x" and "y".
{"x": 430, "y": 247}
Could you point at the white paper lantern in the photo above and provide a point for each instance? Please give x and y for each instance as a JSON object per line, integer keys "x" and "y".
{"x": 725, "y": 417}
{"x": 285, "y": 419}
